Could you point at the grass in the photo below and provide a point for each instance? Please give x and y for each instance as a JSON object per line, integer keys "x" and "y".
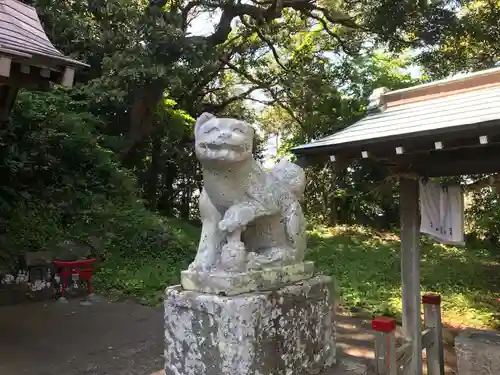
{"x": 145, "y": 277}
{"x": 366, "y": 265}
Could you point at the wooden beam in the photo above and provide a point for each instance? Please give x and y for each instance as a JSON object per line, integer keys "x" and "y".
{"x": 459, "y": 169}
{"x": 33, "y": 80}
{"x": 455, "y": 162}
{"x": 25, "y": 69}
{"x": 464, "y": 147}
{"x": 68, "y": 77}
{"x": 421, "y": 149}
{"x": 410, "y": 269}
{"x": 45, "y": 72}
{"x": 5, "y": 65}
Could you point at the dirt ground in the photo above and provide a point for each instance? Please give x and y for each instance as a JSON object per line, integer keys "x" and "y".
{"x": 117, "y": 338}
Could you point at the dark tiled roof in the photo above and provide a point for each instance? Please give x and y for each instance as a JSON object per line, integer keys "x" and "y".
{"x": 413, "y": 119}
{"x": 22, "y": 34}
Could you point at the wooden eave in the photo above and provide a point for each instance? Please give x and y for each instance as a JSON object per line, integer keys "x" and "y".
{"x": 27, "y": 57}
{"x": 439, "y": 129}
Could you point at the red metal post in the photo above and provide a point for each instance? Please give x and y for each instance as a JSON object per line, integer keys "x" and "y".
{"x": 385, "y": 346}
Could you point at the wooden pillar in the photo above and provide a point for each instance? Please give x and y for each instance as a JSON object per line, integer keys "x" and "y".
{"x": 410, "y": 270}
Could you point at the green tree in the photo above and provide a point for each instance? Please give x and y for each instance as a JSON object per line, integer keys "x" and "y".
{"x": 140, "y": 50}
{"x": 469, "y": 43}
{"x": 320, "y": 99}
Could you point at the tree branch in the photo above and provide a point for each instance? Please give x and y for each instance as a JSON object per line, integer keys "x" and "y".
{"x": 267, "y": 86}
{"x": 205, "y": 80}
{"x": 265, "y": 40}
{"x": 217, "y": 107}
{"x": 266, "y": 12}
{"x": 330, "y": 32}
{"x": 185, "y": 13}
{"x": 265, "y": 102}
{"x": 211, "y": 91}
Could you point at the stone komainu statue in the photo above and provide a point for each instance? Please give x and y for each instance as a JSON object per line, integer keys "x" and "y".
{"x": 251, "y": 217}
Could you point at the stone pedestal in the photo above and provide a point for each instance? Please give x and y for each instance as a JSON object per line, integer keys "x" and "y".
{"x": 231, "y": 284}
{"x": 281, "y": 332}
{"x": 478, "y": 352}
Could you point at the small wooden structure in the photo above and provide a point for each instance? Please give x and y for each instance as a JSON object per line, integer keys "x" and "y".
{"x": 445, "y": 128}
{"x": 390, "y": 360}
{"x": 27, "y": 57}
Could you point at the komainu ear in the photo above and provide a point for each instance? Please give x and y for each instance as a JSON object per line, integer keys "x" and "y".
{"x": 204, "y": 117}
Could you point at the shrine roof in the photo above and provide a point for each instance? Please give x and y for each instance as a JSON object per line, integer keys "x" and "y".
{"x": 441, "y": 108}
{"x": 22, "y": 35}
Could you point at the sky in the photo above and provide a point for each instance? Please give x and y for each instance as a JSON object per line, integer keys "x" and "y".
{"x": 203, "y": 24}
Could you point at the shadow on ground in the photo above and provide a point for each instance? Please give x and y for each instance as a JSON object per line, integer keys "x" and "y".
{"x": 107, "y": 338}
{"x": 120, "y": 338}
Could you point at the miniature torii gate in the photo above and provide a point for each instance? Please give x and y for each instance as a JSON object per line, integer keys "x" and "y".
{"x": 445, "y": 128}
{"x": 27, "y": 57}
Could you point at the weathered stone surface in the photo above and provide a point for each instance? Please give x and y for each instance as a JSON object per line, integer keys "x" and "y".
{"x": 233, "y": 283}
{"x": 478, "y": 352}
{"x": 252, "y": 218}
{"x": 282, "y": 332}
{"x": 347, "y": 367}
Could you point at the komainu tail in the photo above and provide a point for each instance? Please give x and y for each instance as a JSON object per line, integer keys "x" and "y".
{"x": 291, "y": 175}
{"x": 294, "y": 178}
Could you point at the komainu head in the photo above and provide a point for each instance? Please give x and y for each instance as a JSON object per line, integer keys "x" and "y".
{"x": 222, "y": 139}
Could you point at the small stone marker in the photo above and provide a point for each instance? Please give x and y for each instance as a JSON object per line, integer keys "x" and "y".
{"x": 478, "y": 352}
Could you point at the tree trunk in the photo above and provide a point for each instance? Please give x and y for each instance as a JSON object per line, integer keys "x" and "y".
{"x": 142, "y": 114}
{"x": 166, "y": 200}
{"x": 185, "y": 207}
{"x": 153, "y": 174}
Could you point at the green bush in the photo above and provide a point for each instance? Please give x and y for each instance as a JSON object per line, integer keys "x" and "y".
{"x": 61, "y": 183}
{"x": 483, "y": 214}
{"x": 146, "y": 254}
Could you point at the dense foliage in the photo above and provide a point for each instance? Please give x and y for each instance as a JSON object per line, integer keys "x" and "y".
{"x": 113, "y": 157}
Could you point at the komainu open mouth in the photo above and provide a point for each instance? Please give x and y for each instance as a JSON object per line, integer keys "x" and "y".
{"x": 222, "y": 146}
